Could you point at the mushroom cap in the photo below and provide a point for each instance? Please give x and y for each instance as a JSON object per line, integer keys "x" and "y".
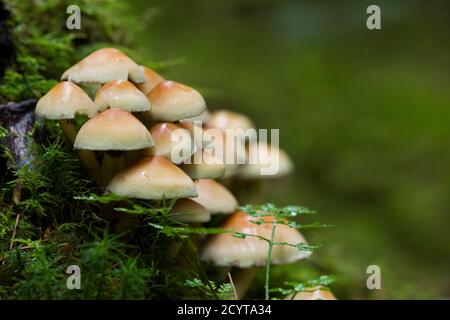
{"x": 226, "y": 250}
{"x": 172, "y": 101}
{"x": 121, "y": 94}
{"x": 225, "y": 119}
{"x": 113, "y": 129}
{"x": 316, "y": 293}
{"x": 204, "y": 165}
{"x": 215, "y": 197}
{"x": 104, "y": 65}
{"x": 64, "y": 101}
{"x": 202, "y": 117}
{"x": 196, "y": 132}
{"x": 151, "y": 79}
{"x": 172, "y": 142}
{"x": 153, "y": 178}
{"x": 260, "y": 157}
{"x": 187, "y": 210}
{"x": 226, "y": 146}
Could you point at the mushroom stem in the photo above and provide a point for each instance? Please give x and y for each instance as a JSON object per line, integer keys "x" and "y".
{"x": 242, "y": 279}
{"x": 111, "y": 164}
{"x": 87, "y": 156}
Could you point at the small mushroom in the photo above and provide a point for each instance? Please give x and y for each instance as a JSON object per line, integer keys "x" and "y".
{"x": 225, "y": 119}
{"x": 204, "y": 165}
{"x": 121, "y": 94}
{"x": 113, "y": 130}
{"x": 226, "y": 250}
{"x": 316, "y": 293}
{"x": 171, "y": 141}
{"x": 202, "y": 117}
{"x": 215, "y": 197}
{"x": 226, "y": 146}
{"x": 172, "y": 101}
{"x": 104, "y": 65}
{"x": 187, "y": 210}
{"x": 62, "y": 103}
{"x": 266, "y": 161}
{"x": 151, "y": 80}
{"x": 197, "y": 132}
{"x": 153, "y": 178}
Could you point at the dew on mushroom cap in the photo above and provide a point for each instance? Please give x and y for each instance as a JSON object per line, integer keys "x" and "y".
{"x": 121, "y": 94}
{"x": 153, "y": 178}
{"x": 104, "y": 65}
{"x": 172, "y": 101}
{"x": 215, "y": 197}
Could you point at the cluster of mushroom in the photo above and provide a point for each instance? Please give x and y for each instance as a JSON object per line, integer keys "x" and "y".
{"x": 127, "y": 142}
{"x": 127, "y": 146}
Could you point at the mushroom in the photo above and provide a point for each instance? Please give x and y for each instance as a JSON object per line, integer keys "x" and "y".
{"x": 187, "y": 210}
{"x": 121, "y": 94}
{"x": 316, "y": 293}
{"x": 104, "y": 65}
{"x": 202, "y": 117}
{"x": 172, "y": 142}
{"x": 203, "y": 165}
{"x": 153, "y": 178}
{"x": 226, "y": 146}
{"x": 113, "y": 130}
{"x": 62, "y": 103}
{"x": 172, "y": 101}
{"x": 251, "y": 252}
{"x": 215, "y": 197}
{"x": 151, "y": 80}
{"x": 197, "y": 132}
{"x": 225, "y": 119}
{"x": 266, "y": 161}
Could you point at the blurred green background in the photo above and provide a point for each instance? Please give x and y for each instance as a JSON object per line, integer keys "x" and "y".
{"x": 364, "y": 114}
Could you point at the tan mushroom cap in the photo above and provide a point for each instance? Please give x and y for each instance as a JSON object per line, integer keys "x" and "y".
{"x": 172, "y": 142}
{"x": 187, "y": 210}
{"x": 317, "y": 293}
{"x": 202, "y": 117}
{"x": 104, "y": 65}
{"x": 215, "y": 197}
{"x": 197, "y": 133}
{"x": 151, "y": 80}
{"x": 113, "y": 129}
{"x": 204, "y": 165}
{"x": 266, "y": 161}
{"x": 64, "y": 101}
{"x": 227, "y": 250}
{"x": 153, "y": 178}
{"x": 225, "y": 119}
{"x": 172, "y": 101}
{"x": 226, "y": 146}
{"x": 121, "y": 94}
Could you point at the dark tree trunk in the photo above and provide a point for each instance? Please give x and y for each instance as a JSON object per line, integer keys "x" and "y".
{"x": 6, "y": 43}
{"x": 17, "y": 118}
